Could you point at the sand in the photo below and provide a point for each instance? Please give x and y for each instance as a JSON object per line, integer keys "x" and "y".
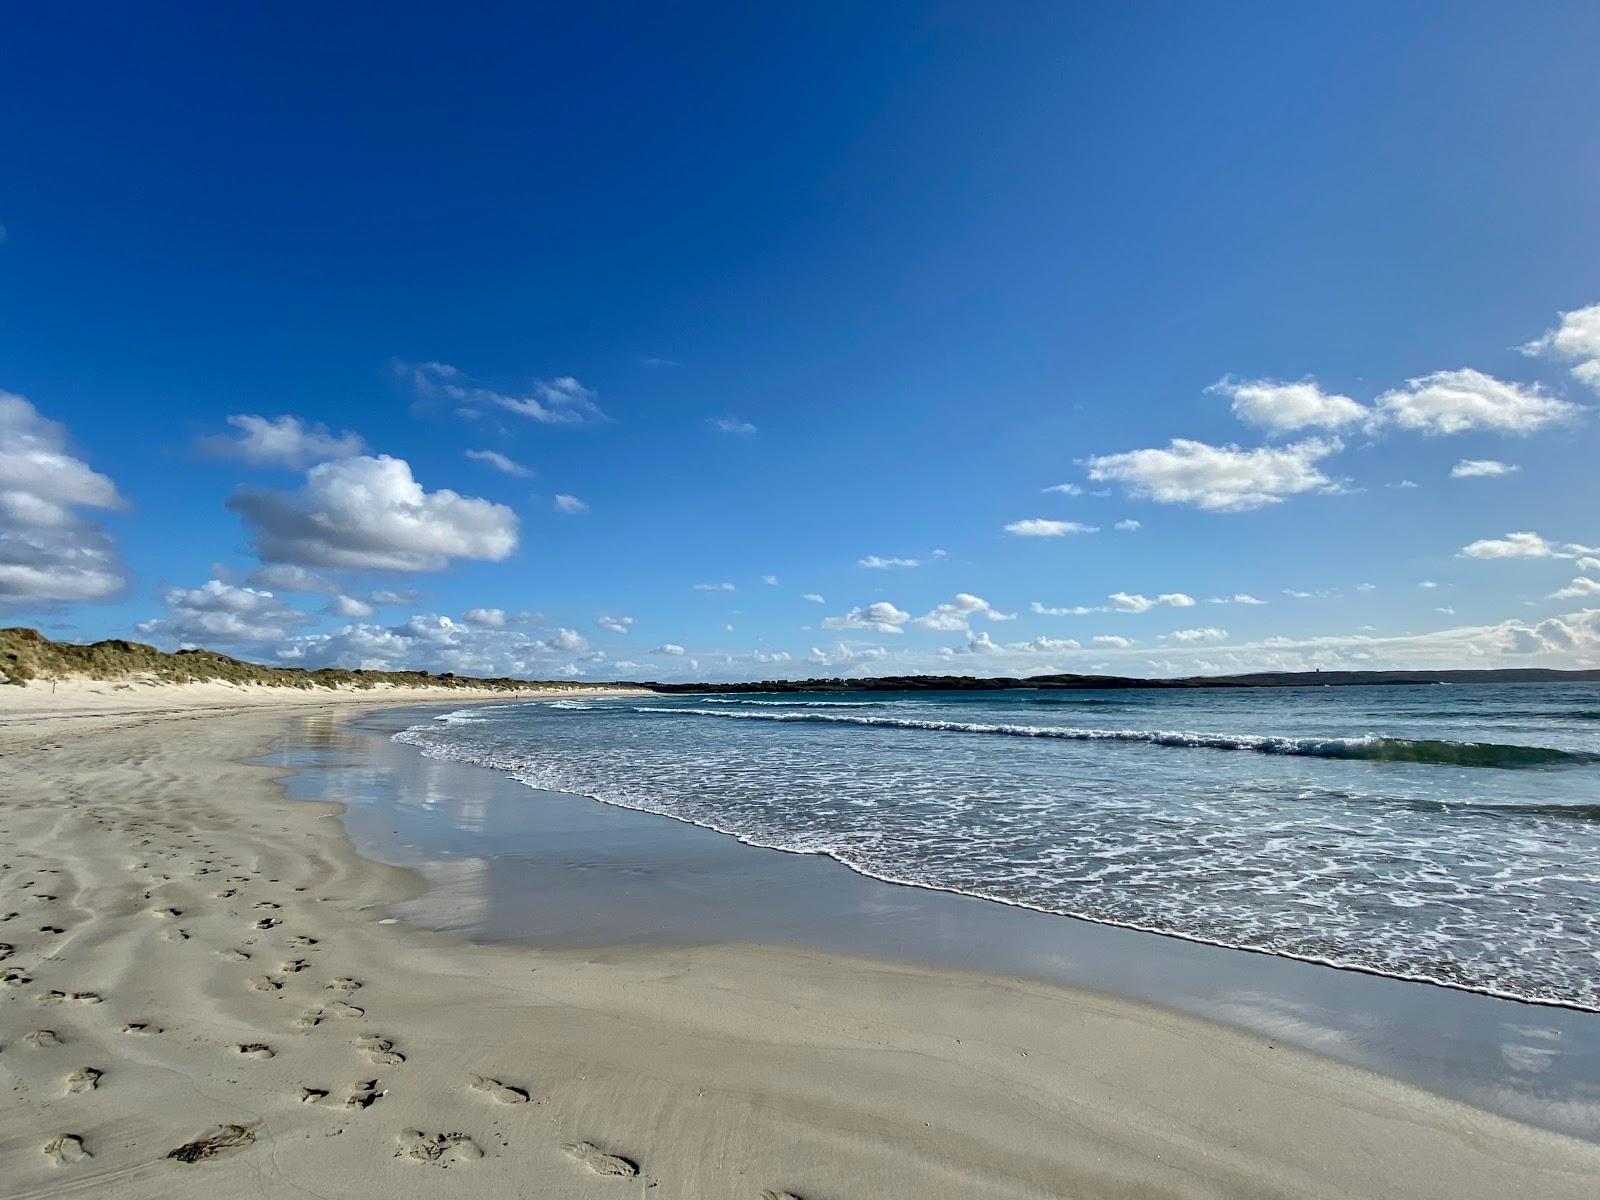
{"x": 200, "y": 999}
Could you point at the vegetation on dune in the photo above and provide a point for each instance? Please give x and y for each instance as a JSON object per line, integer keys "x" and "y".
{"x": 26, "y": 654}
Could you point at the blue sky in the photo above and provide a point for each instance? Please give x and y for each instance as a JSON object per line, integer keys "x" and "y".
{"x": 625, "y": 331}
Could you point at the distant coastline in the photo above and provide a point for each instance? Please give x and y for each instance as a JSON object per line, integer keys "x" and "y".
{"x": 26, "y": 655}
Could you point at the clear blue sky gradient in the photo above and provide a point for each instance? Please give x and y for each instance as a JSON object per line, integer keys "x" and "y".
{"x": 938, "y": 255}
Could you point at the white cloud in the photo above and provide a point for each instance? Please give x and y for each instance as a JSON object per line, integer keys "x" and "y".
{"x": 47, "y": 551}
{"x": 1403, "y": 485}
{"x": 220, "y": 614}
{"x": 1112, "y": 641}
{"x": 1076, "y": 611}
{"x": 1458, "y": 401}
{"x": 568, "y": 641}
{"x": 780, "y": 656}
{"x": 570, "y": 505}
{"x": 770, "y": 580}
{"x": 1285, "y": 407}
{"x": 1475, "y": 468}
{"x": 562, "y": 401}
{"x": 616, "y": 624}
{"x": 292, "y": 579}
{"x": 1218, "y": 478}
{"x": 715, "y": 587}
{"x": 1577, "y": 337}
{"x": 1589, "y": 564}
{"x": 1128, "y": 526}
{"x": 733, "y": 425}
{"x": 881, "y": 617}
{"x": 1208, "y": 634}
{"x": 349, "y": 608}
{"x": 403, "y": 599}
{"x": 670, "y": 650}
{"x": 1064, "y": 489}
{"x": 281, "y": 442}
{"x": 1427, "y": 583}
{"x": 1523, "y": 545}
{"x": 1040, "y": 527}
{"x": 1050, "y": 645}
{"x": 1135, "y": 603}
{"x": 500, "y": 462}
{"x": 874, "y": 563}
{"x": 370, "y": 513}
{"x": 1446, "y": 610}
{"x": 1236, "y": 598}
{"x": 956, "y": 614}
{"x": 485, "y": 618}
{"x": 1580, "y": 588}
{"x": 814, "y": 598}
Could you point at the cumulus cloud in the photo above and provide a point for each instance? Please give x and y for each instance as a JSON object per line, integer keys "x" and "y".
{"x": 734, "y": 426}
{"x": 1128, "y": 526}
{"x": 1135, "y": 603}
{"x": 1577, "y": 337}
{"x": 1209, "y": 634}
{"x": 349, "y": 607}
{"x": 670, "y": 650}
{"x": 1112, "y": 641}
{"x": 570, "y": 505}
{"x": 881, "y": 617}
{"x": 813, "y": 598}
{"x": 280, "y": 442}
{"x": 1286, "y": 407}
{"x": 957, "y": 613}
{"x": 486, "y": 618}
{"x": 615, "y": 624}
{"x": 1581, "y": 588}
{"x": 1461, "y": 401}
{"x": 500, "y": 462}
{"x": 1523, "y": 545}
{"x": 47, "y": 551}
{"x": 770, "y": 580}
{"x": 562, "y": 401}
{"x": 1218, "y": 478}
{"x": 1477, "y": 468}
{"x": 287, "y": 578}
{"x": 1040, "y": 527}
{"x": 1075, "y": 611}
{"x": 567, "y": 640}
{"x": 220, "y": 614}
{"x": 370, "y": 513}
{"x": 1236, "y": 598}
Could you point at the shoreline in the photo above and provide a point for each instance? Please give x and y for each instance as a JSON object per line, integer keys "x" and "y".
{"x": 720, "y": 1070}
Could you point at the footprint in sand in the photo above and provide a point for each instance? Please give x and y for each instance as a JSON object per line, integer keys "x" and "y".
{"x": 41, "y": 1038}
{"x": 176, "y": 935}
{"x": 141, "y": 1027}
{"x": 309, "y": 1019}
{"x": 15, "y": 977}
{"x": 344, "y": 985}
{"x": 168, "y": 913}
{"x": 380, "y": 1050}
{"x": 6, "y": 950}
{"x": 66, "y": 1150}
{"x": 311, "y": 1095}
{"x": 769, "y": 1194}
{"x": 441, "y": 1148}
{"x": 228, "y": 895}
{"x": 601, "y": 1163}
{"x": 85, "y": 1080}
{"x": 302, "y": 940}
{"x": 340, "y": 1009}
{"x": 363, "y": 1095}
{"x": 255, "y": 1050}
{"x": 496, "y": 1090}
{"x": 219, "y": 1141}
{"x": 294, "y": 966}
{"x": 266, "y": 983}
{"x": 54, "y": 997}
{"x": 234, "y": 955}
{"x": 266, "y": 904}
{"x": 50, "y": 930}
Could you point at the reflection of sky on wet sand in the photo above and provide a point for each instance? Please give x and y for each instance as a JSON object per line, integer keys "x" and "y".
{"x": 508, "y": 863}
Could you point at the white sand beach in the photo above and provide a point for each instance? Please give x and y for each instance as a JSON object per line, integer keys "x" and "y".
{"x": 200, "y": 999}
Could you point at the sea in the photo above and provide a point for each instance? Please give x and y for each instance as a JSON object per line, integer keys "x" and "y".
{"x": 1448, "y": 834}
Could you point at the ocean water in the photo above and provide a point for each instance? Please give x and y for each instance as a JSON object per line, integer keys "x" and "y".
{"x": 1447, "y": 834}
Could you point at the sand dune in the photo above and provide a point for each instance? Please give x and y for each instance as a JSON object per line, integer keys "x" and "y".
{"x": 198, "y": 1000}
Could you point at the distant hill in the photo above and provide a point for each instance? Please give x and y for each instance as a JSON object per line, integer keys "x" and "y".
{"x": 27, "y": 655}
{"x": 1265, "y": 679}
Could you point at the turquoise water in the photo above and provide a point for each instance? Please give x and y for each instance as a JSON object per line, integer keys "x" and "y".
{"x": 1449, "y": 834}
